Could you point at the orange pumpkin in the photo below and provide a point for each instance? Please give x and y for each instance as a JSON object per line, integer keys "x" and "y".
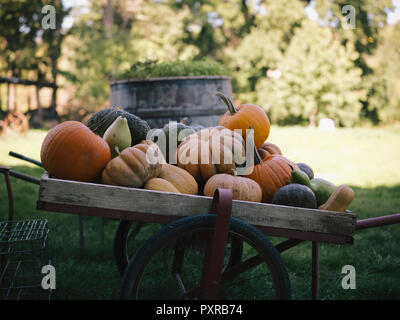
{"x": 268, "y": 149}
{"x": 244, "y": 116}
{"x": 242, "y": 188}
{"x": 72, "y": 151}
{"x": 271, "y": 173}
{"x": 134, "y": 166}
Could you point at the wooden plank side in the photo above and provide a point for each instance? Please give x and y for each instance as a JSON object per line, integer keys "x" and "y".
{"x": 162, "y": 203}
{"x": 164, "y": 219}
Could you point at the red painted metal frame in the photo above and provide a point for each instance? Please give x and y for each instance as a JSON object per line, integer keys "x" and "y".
{"x": 6, "y": 171}
{"x": 214, "y": 256}
{"x": 378, "y": 221}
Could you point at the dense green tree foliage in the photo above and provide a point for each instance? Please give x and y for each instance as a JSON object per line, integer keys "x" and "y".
{"x": 316, "y": 76}
{"x": 298, "y": 68}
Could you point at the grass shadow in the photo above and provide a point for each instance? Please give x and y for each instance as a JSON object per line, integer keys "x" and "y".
{"x": 375, "y": 254}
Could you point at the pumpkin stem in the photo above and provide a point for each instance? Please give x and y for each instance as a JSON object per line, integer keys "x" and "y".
{"x": 291, "y": 166}
{"x": 257, "y": 157}
{"x": 184, "y": 120}
{"x": 228, "y": 102}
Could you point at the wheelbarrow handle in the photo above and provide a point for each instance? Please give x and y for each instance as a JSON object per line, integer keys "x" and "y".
{"x": 8, "y": 171}
{"x": 378, "y": 221}
{"x": 24, "y": 177}
{"x": 22, "y": 157}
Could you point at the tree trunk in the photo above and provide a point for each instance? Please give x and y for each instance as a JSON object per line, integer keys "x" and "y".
{"x": 28, "y": 99}
{"x": 54, "y": 71}
{"x": 11, "y": 105}
{"x": 53, "y": 111}
{"x": 37, "y": 119}
{"x": 108, "y": 19}
{"x": 312, "y": 118}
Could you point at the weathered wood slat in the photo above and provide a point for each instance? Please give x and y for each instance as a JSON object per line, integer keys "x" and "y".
{"x": 138, "y": 201}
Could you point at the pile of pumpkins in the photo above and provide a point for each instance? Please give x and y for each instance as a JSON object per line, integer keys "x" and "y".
{"x": 111, "y": 148}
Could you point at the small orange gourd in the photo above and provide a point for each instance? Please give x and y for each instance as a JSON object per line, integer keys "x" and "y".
{"x": 173, "y": 179}
{"x": 339, "y": 200}
{"x": 268, "y": 149}
{"x": 242, "y": 188}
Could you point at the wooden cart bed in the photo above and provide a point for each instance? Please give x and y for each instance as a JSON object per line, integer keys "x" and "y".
{"x": 116, "y": 202}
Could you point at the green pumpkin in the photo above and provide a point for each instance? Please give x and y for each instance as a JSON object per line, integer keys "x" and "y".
{"x": 101, "y": 120}
{"x": 322, "y": 188}
{"x": 182, "y": 131}
{"x": 295, "y": 195}
{"x": 307, "y": 169}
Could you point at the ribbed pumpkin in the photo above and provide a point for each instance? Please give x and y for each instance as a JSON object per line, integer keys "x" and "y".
{"x": 244, "y": 116}
{"x": 175, "y": 131}
{"x": 132, "y": 167}
{"x": 175, "y": 179}
{"x": 71, "y": 151}
{"x": 242, "y": 188}
{"x": 154, "y": 150}
{"x": 211, "y": 151}
{"x": 268, "y": 149}
{"x": 158, "y": 184}
{"x": 271, "y": 173}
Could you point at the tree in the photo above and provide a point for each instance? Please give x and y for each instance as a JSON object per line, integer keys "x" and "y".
{"x": 262, "y": 48}
{"x": 112, "y": 36}
{"x": 315, "y": 76}
{"x": 30, "y": 50}
{"x": 383, "y": 101}
{"x": 20, "y": 25}
{"x": 52, "y": 40}
{"x": 371, "y": 18}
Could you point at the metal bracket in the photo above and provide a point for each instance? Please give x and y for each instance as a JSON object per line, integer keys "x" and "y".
{"x": 214, "y": 256}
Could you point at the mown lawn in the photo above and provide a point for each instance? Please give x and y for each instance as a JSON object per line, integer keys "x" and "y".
{"x": 366, "y": 159}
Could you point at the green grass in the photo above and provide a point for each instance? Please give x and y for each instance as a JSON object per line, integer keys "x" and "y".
{"x": 366, "y": 159}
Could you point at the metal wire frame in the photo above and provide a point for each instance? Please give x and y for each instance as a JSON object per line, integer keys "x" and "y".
{"x": 23, "y": 253}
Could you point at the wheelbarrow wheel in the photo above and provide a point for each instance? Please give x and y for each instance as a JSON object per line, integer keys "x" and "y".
{"x": 124, "y": 240}
{"x": 127, "y": 242}
{"x": 169, "y": 264}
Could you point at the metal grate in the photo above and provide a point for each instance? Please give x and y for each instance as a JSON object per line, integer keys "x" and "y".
{"x": 23, "y": 253}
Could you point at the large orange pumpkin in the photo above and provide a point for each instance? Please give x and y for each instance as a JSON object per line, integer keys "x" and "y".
{"x": 271, "y": 173}
{"x": 244, "y": 116}
{"x": 71, "y": 151}
{"x": 210, "y": 151}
